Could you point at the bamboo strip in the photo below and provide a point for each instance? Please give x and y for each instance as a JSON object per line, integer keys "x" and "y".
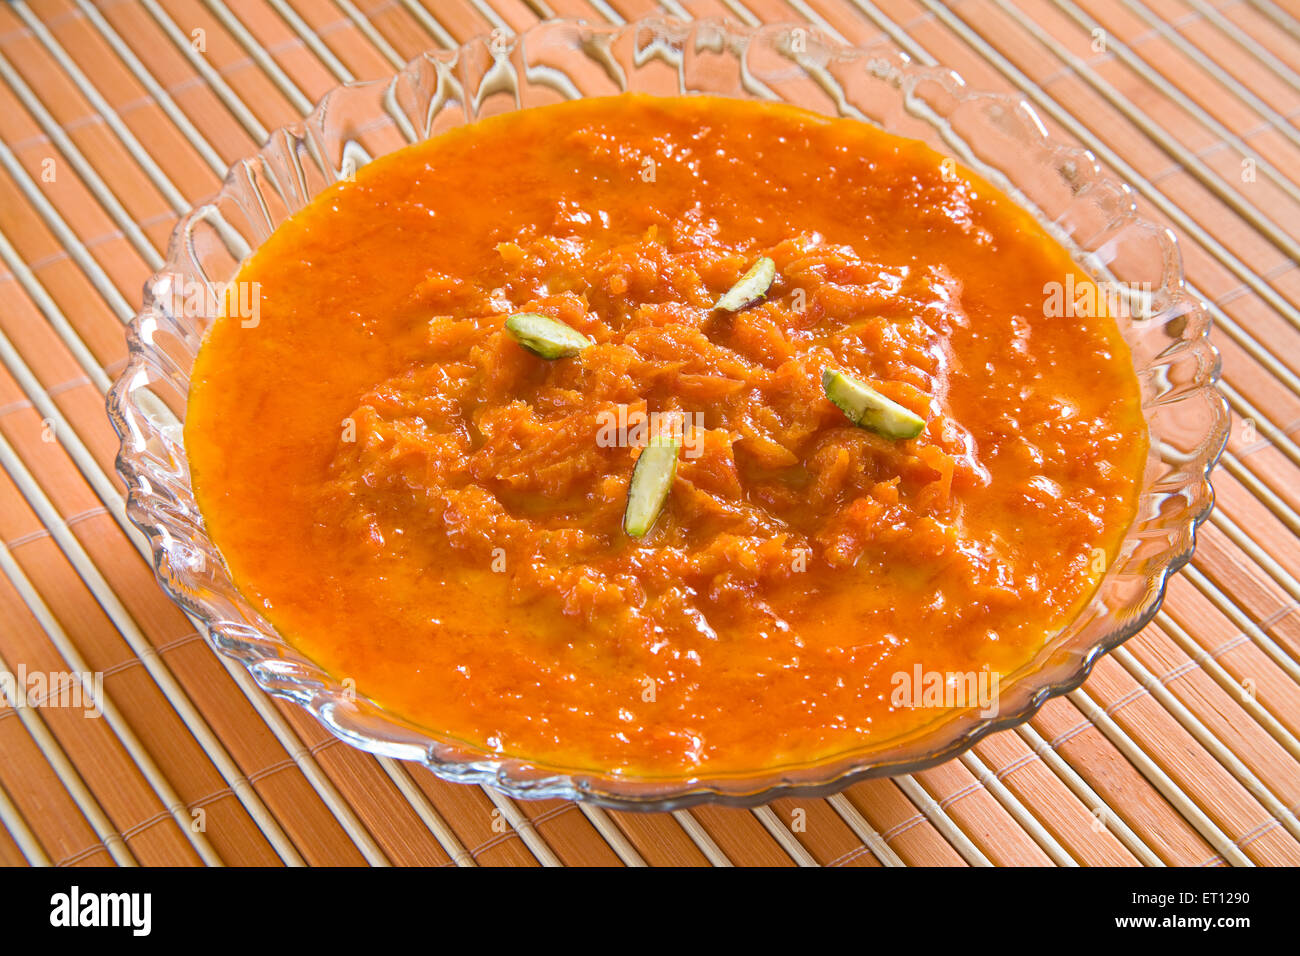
{"x": 1111, "y": 820}
{"x": 782, "y": 835}
{"x": 486, "y": 834}
{"x": 369, "y": 31}
{"x": 211, "y": 77}
{"x": 1173, "y": 18}
{"x": 822, "y": 833}
{"x": 658, "y": 838}
{"x": 1253, "y": 594}
{"x": 445, "y": 835}
{"x": 524, "y": 827}
{"x": 300, "y": 102}
{"x": 306, "y": 762}
{"x": 1162, "y": 782}
{"x": 976, "y": 812}
{"x": 1239, "y": 618}
{"x": 612, "y": 835}
{"x": 429, "y": 23}
{"x": 741, "y": 835}
{"x": 98, "y": 278}
{"x": 701, "y": 838}
{"x": 1246, "y": 41}
{"x": 1217, "y": 635}
{"x": 398, "y": 27}
{"x": 864, "y": 831}
{"x": 164, "y": 100}
{"x": 1020, "y": 80}
{"x": 1263, "y": 471}
{"x": 151, "y": 661}
{"x": 1233, "y": 687}
{"x": 927, "y": 805}
{"x": 1270, "y": 517}
{"x": 1275, "y": 571}
{"x": 20, "y": 833}
{"x": 1177, "y": 151}
{"x": 494, "y": 19}
{"x": 72, "y": 782}
{"x": 1277, "y": 437}
{"x": 1223, "y": 714}
{"x": 1274, "y": 119}
{"x": 68, "y": 651}
{"x": 1205, "y": 782}
{"x": 311, "y": 39}
{"x": 1212, "y": 743}
{"x": 903, "y": 828}
{"x": 134, "y": 234}
{"x": 569, "y": 833}
{"x": 1066, "y": 730}
{"x": 1279, "y": 16}
{"x": 1060, "y": 856}
{"x": 173, "y": 196}
{"x": 345, "y": 40}
{"x": 373, "y": 799}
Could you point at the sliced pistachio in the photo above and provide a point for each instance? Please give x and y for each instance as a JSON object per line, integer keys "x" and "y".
{"x": 753, "y": 285}
{"x": 652, "y": 478}
{"x": 545, "y": 336}
{"x": 867, "y": 408}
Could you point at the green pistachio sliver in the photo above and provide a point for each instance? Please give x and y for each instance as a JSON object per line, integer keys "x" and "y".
{"x": 652, "y": 479}
{"x": 545, "y": 336}
{"x": 867, "y": 408}
{"x": 753, "y": 285}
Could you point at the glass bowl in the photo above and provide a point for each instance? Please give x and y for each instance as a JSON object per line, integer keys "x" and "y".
{"x": 999, "y": 136}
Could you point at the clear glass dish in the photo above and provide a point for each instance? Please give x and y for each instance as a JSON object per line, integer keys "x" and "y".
{"x": 999, "y": 136}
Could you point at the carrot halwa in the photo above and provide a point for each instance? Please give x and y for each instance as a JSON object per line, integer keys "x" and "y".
{"x": 424, "y": 506}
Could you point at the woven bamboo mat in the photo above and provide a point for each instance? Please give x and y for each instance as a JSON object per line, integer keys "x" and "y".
{"x": 116, "y": 115}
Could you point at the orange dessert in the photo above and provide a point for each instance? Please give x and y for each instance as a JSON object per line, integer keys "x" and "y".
{"x": 423, "y": 503}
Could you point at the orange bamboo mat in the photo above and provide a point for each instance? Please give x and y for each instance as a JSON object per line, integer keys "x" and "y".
{"x": 116, "y": 115}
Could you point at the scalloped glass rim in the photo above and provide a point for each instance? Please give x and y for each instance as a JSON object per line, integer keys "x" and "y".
{"x": 998, "y": 135}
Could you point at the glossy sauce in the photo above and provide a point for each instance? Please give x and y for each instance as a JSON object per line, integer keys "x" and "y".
{"x": 428, "y": 509}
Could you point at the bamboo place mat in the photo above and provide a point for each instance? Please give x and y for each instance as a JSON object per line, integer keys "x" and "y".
{"x": 1182, "y": 747}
